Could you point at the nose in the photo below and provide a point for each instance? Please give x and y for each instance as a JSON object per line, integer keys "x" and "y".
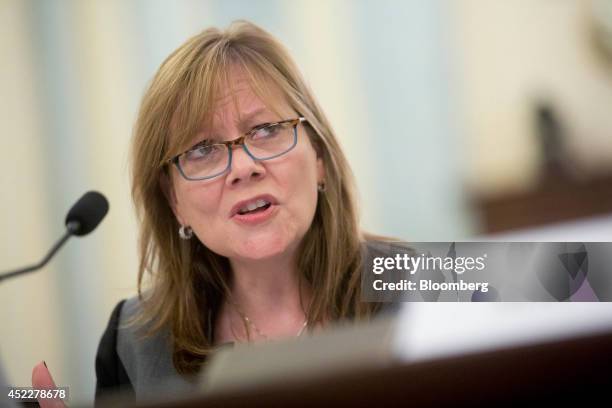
{"x": 243, "y": 167}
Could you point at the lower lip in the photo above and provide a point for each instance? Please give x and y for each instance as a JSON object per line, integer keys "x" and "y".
{"x": 256, "y": 218}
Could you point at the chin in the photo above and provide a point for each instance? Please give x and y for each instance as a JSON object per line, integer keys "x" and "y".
{"x": 262, "y": 247}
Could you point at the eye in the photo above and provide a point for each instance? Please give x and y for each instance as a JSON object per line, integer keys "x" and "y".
{"x": 203, "y": 152}
{"x": 266, "y": 132}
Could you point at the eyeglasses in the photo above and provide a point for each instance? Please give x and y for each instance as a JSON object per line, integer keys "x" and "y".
{"x": 206, "y": 160}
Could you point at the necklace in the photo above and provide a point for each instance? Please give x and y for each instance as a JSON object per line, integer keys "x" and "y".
{"x": 256, "y": 329}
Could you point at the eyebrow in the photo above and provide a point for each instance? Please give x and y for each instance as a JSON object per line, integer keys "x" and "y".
{"x": 242, "y": 122}
{"x": 201, "y": 143}
{"x": 244, "y": 119}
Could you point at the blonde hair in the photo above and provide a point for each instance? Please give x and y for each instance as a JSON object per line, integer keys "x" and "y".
{"x": 187, "y": 280}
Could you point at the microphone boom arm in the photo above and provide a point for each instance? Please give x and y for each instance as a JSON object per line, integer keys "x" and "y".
{"x": 71, "y": 228}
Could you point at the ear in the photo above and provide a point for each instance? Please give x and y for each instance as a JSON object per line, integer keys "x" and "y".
{"x": 166, "y": 186}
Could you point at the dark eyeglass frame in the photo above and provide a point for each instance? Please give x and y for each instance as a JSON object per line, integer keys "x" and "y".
{"x": 240, "y": 141}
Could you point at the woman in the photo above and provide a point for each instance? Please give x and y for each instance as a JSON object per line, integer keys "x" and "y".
{"x": 249, "y": 227}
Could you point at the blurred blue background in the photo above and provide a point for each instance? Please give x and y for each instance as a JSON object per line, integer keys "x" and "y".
{"x": 431, "y": 101}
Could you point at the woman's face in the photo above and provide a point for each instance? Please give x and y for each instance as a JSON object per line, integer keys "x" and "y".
{"x": 289, "y": 182}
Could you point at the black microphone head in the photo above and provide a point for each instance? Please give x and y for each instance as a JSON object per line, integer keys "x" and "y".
{"x": 86, "y": 214}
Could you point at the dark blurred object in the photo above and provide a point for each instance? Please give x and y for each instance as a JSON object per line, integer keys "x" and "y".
{"x": 561, "y": 194}
{"x": 570, "y": 372}
{"x": 83, "y": 218}
{"x": 555, "y": 161}
{"x": 554, "y": 201}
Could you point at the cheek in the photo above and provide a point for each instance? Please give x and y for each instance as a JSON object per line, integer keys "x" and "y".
{"x": 301, "y": 184}
{"x": 197, "y": 204}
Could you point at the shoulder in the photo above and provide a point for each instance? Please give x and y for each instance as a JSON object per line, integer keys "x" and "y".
{"x": 128, "y": 361}
{"x": 110, "y": 372}
{"x": 373, "y": 249}
{"x": 378, "y": 246}
{"x": 137, "y": 350}
{"x": 147, "y": 357}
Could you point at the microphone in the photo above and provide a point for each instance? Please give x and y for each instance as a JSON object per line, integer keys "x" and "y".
{"x": 83, "y": 218}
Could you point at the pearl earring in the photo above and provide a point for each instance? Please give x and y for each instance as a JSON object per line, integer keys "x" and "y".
{"x": 321, "y": 187}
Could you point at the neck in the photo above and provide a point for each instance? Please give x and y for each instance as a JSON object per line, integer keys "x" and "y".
{"x": 268, "y": 287}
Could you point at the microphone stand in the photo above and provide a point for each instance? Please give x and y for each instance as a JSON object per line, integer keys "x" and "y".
{"x": 71, "y": 228}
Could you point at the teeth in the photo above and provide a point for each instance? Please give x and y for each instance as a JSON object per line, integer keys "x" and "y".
{"x": 254, "y": 205}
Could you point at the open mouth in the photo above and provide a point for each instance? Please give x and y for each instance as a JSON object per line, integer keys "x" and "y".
{"x": 255, "y": 207}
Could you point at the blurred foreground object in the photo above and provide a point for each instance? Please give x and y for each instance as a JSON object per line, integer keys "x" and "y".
{"x": 335, "y": 352}
{"x": 449, "y": 354}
